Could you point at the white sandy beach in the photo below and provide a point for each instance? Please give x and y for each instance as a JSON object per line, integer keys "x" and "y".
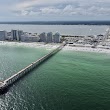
{"x": 86, "y": 49}
{"x": 53, "y": 46}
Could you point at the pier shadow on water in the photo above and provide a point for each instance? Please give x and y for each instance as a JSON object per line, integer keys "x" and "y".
{"x": 4, "y": 91}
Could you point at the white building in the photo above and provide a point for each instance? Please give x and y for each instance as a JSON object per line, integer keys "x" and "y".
{"x": 14, "y": 35}
{"x": 56, "y": 38}
{"x": 20, "y": 33}
{"x": 100, "y": 37}
{"x": 70, "y": 40}
{"x": 26, "y": 37}
{"x": 49, "y": 37}
{"x": 42, "y": 37}
{"x": 74, "y": 39}
{"x": 3, "y": 35}
{"x": 9, "y": 37}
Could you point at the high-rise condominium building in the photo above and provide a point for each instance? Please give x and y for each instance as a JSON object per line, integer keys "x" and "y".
{"x": 3, "y": 35}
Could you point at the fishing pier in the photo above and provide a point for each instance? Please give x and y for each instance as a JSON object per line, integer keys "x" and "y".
{"x": 9, "y": 81}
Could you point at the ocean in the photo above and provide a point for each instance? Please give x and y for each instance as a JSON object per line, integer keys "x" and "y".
{"x": 67, "y": 81}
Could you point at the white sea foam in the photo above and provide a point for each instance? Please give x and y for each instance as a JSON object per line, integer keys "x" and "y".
{"x": 32, "y": 44}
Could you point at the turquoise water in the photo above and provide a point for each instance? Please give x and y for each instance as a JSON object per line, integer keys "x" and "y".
{"x": 13, "y": 59}
{"x": 68, "y": 81}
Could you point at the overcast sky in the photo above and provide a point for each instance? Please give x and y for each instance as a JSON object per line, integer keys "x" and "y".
{"x": 46, "y": 10}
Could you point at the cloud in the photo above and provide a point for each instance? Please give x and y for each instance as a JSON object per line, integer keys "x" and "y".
{"x": 49, "y": 10}
{"x": 55, "y": 8}
{"x": 62, "y": 7}
{"x": 68, "y": 8}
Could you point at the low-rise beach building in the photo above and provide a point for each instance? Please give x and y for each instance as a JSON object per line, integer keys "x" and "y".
{"x": 70, "y": 40}
{"x": 73, "y": 39}
{"x": 100, "y": 37}
{"x": 9, "y": 37}
{"x": 26, "y": 37}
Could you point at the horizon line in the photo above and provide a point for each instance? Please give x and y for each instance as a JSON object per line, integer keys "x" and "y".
{"x": 81, "y": 22}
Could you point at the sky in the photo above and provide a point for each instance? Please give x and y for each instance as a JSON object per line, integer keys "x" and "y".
{"x": 54, "y": 10}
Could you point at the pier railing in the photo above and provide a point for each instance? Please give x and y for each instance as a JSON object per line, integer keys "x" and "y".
{"x": 4, "y": 84}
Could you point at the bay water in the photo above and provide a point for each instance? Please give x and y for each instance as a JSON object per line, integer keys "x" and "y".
{"x": 62, "y": 29}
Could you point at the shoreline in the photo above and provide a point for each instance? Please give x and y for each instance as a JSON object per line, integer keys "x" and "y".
{"x": 30, "y": 44}
{"x": 86, "y": 49}
{"x": 52, "y": 46}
